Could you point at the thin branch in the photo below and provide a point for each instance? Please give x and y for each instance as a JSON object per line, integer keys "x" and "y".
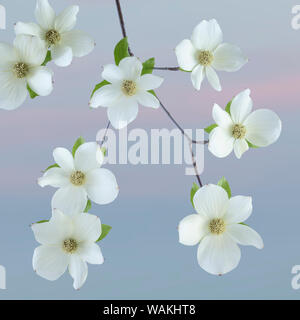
{"x": 195, "y": 166}
{"x": 179, "y": 127}
{"x": 122, "y": 23}
{"x": 167, "y": 68}
{"x": 105, "y": 134}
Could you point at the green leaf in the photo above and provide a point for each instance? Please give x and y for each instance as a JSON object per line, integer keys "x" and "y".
{"x": 225, "y": 185}
{"x": 148, "y": 66}
{"x": 194, "y": 189}
{"x": 52, "y": 166}
{"x": 77, "y": 144}
{"x": 99, "y": 85}
{"x": 48, "y": 58}
{"x": 210, "y": 128}
{"x": 105, "y": 231}
{"x": 251, "y": 145}
{"x": 31, "y": 92}
{"x": 88, "y": 206}
{"x": 42, "y": 221}
{"x": 104, "y": 151}
{"x": 152, "y": 92}
{"x": 227, "y": 109}
{"x": 121, "y": 50}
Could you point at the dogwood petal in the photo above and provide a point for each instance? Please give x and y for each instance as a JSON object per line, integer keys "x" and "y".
{"x": 101, "y": 186}
{"x": 245, "y": 235}
{"x": 13, "y": 91}
{"x": 62, "y": 55}
{"x": 240, "y": 146}
{"x": 40, "y": 80}
{"x": 221, "y": 117}
{"x": 149, "y": 82}
{"x": 228, "y": 57}
{"x": 49, "y": 262}
{"x": 31, "y": 29}
{"x": 186, "y": 55}
{"x": 66, "y": 20}
{"x": 207, "y": 35}
{"x": 64, "y": 159}
{"x": 63, "y": 225}
{"x": 131, "y": 67}
{"x": 7, "y": 56}
{"x": 55, "y": 231}
{"x": 44, "y": 14}
{"x": 30, "y": 49}
{"x": 123, "y": 113}
{"x": 54, "y": 177}
{"x": 239, "y": 209}
{"x": 263, "y": 127}
{"x": 88, "y": 157}
{"x": 87, "y": 227}
{"x": 112, "y": 73}
{"x": 105, "y": 96}
{"x": 80, "y": 42}
{"x": 213, "y": 78}
{"x": 147, "y": 99}
{"x": 78, "y": 270}
{"x": 70, "y": 199}
{"x": 91, "y": 253}
{"x": 220, "y": 142}
{"x": 241, "y": 106}
{"x": 218, "y": 254}
{"x": 211, "y": 201}
{"x": 197, "y": 76}
{"x": 192, "y": 229}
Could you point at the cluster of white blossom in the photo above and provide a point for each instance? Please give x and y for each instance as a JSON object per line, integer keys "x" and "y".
{"x": 23, "y": 67}
{"x": 68, "y": 239}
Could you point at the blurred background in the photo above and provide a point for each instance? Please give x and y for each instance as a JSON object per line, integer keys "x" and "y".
{"x": 143, "y": 259}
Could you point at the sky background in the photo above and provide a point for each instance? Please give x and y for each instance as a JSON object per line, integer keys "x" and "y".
{"x": 143, "y": 259}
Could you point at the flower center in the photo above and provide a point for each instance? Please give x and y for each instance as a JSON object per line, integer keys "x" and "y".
{"x": 70, "y": 245}
{"x": 205, "y": 57}
{"x": 77, "y": 178}
{"x": 21, "y": 69}
{"x": 129, "y": 87}
{"x": 217, "y": 226}
{"x": 238, "y": 131}
{"x": 52, "y": 37}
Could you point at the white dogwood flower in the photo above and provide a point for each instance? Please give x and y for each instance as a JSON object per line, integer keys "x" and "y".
{"x": 57, "y": 33}
{"x": 127, "y": 88}
{"x": 20, "y": 65}
{"x": 206, "y": 52}
{"x": 261, "y": 127}
{"x": 67, "y": 241}
{"x": 79, "y": 179}
{"x": 217, "y": 229}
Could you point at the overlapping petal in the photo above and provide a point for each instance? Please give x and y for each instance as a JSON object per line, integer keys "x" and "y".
{"x": 88, "y": 157}
{"x": 211, "y": 201}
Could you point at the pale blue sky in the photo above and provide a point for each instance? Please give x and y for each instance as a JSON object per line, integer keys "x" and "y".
{"x": 143, "y": 256}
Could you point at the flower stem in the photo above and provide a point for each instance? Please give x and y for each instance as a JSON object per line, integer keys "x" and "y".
{"x": 122, "y": 24}
{"x": 179, "y": 127}
{"x": 195, "y": 166}
{"x": 104, "y": 136}
{"x": 167, "y": 68}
